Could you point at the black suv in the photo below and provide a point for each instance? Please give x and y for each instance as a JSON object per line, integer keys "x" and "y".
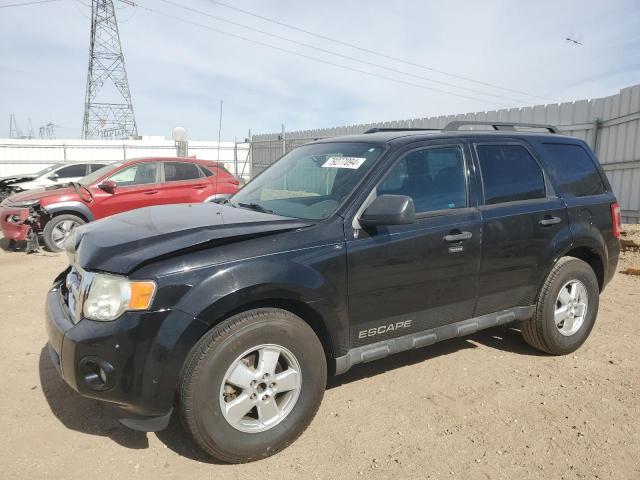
{"x": 345, "y": 251}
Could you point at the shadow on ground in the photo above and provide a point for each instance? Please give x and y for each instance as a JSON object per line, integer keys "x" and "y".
{"x": 83, "y": 414}
{"x": 93, "y": 417}
{"x": 11, "y": 245}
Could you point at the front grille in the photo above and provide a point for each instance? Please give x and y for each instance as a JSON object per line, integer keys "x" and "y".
{"x": 77, "y": 286}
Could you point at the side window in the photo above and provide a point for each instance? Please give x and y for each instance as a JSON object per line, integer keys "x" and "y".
{"x": 72, "y": 171}
{"x": 95, "y": 166}
{"x": 509, "y": 174}
{"x": 434, "y": 178}
{"x": 206, "y": 171}
{"x": 574, "y": 170}
{"x": 138, "y": 174}
{"x": 176, "y": 171}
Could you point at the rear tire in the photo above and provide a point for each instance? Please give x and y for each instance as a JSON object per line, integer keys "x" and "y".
{"x": 566, "y": 308}
{"x": 284, "y": 401}
{"x": 58, "y": 229}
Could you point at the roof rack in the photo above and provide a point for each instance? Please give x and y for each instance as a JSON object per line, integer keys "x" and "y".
{"x": 389, "y": 129}
{"x": 455, "y": 126}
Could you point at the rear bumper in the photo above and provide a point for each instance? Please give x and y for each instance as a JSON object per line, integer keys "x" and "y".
{"x": 11, "y": 223}
{"x": 140, "y": 354}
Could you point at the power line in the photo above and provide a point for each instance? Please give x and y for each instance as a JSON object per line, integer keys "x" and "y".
{"x": 347, "y": 57}
{"x": 309, "y": 57}
{"x": 24, "y": 4}
{"x": 373, "y": 52}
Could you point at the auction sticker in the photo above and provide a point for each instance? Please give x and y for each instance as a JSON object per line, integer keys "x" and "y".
{"x": 344, "y": 162}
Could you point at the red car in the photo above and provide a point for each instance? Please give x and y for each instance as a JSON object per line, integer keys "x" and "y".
{"x": 116, "y": 188}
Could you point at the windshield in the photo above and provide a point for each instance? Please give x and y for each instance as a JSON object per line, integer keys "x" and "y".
{"x": 44, "y": 171}
{"x": 92, "y": 177}
{"x": 310, "y": 182}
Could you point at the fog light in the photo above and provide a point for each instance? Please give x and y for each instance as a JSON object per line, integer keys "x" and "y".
{"x": 13, "y": 218}
{"x": 96, "y": 373}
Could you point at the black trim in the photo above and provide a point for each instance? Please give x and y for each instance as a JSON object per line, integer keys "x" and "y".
{"x": 375, "y": 351}
{"x": 455, "y": 126}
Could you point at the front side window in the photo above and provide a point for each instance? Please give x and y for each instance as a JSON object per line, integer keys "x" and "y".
{"x": 311, "y": 181}
{"x": 179, "y": 171}
{"x": 138, "y": 174}
{"x": 509, "y": 174}
{"x": 574, "y": 170}
{"x": 72, "y": 171}
{"x": 434, "y": 178}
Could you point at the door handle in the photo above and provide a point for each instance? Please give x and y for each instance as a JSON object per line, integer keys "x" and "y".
{"x": 150, "y": 192}
{"x": 199, "y": 187}
{"x": 458, "y": 237}
{"x": 548, "y": 220}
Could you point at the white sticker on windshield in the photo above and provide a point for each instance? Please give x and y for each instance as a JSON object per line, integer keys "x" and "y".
{"x": 344, "y": 162}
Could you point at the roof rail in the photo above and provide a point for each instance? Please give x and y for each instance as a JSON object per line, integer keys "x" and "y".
{"x": 390, "y": 129}
{"x": 455, "y": 126}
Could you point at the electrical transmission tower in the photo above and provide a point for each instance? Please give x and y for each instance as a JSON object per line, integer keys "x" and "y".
{"x": 108, "y": 111}
{"x": 14, "y": 131}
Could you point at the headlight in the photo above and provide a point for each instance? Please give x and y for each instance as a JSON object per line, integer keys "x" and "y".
{"x": 110, "y": 296}
{"x": 25, "y": 203}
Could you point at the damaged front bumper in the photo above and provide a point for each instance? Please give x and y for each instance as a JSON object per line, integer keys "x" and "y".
{"x": 12, "y": 222}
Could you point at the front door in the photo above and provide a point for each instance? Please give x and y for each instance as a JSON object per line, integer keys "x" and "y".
{"x": 136, "y": 187}
{"x": 409, "y": 278}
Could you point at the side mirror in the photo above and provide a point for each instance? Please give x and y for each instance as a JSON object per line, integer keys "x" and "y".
{"x": 108, "y": 186}
{"x": 389, "y": 210}
{"x": 54, "y": 177}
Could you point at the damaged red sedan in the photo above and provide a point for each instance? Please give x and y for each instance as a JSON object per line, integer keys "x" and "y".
{"x": 53, "y": 213}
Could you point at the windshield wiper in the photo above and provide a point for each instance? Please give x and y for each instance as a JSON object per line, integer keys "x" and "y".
{"x": 257, "y": 207}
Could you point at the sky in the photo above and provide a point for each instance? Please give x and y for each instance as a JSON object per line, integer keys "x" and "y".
{"x": 178, "y": 71}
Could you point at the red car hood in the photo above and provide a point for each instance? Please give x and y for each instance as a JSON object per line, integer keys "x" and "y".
{"x": 49, "y": 195}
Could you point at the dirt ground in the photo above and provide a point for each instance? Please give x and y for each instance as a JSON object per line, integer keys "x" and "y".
{"x": 486, "y": 406}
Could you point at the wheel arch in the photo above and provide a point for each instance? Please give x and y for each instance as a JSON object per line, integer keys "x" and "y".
{"x": 306, "y": 311}
{"x": 69, "y": 208}
{"x": 590, "y": 256}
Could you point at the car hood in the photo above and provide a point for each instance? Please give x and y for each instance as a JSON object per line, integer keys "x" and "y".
{"x": 40, "y": 193}
{"x": 123, "y": 242}
{"x": 14, "y": 179}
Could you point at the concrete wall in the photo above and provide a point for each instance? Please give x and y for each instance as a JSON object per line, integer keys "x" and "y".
{"x": 23, "y": 156}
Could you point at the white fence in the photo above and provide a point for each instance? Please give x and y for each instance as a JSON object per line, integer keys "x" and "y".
{"x": 610, "y": 125}
{"x": 23, "y": 156}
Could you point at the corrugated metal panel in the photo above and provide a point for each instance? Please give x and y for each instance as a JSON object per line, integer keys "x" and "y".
{"x": 618, "y": 136}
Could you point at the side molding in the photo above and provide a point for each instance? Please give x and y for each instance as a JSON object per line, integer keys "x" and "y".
{"x": 375, "y": 351}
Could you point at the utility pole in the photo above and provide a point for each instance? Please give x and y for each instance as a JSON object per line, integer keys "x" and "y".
{"x": 108, "y": 110}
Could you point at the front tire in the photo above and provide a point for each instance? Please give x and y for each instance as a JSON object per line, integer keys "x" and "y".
{"x": 566, "y": 308}
{"x": 58, "y": 229}
{"x": 252, "y": 385}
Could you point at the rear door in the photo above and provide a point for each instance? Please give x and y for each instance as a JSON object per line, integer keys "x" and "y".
{"x": 408, "y": 278}
{"x": 524, "y": 225}
{"x": 184, "y": 182}
{"x": 137, "y": 187}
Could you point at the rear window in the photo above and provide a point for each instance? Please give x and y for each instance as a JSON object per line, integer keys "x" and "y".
{"x": 509, "y": 174}
{"x": 574, "y": 170}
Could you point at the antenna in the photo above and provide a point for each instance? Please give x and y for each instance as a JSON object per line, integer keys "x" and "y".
{"x": 108, "y": 110}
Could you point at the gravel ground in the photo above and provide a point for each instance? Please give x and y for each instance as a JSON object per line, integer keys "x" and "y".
{"x": 486, "y": 406}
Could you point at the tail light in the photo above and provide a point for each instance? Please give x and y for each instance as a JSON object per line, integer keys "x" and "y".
{"x": 615, "y": 219}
